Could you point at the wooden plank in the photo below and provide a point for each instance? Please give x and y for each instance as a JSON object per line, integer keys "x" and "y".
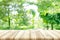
{"x": 52, "y": 35}
{"x": 33, "y": 35}
{"x": 7, "y": 35}
{"x": 56, "y": 34}
{"x": 39, "y": 35}
{"x": 29, "y": 35}
{"x": 19, "y": 35}
{"x": 3, "y": 33}
{"x": 12, "y": 37}
{"x": 44, "y": 35}
{"x": 48, "y": 36}
{"x": 57, "y": 31}
{"x": 25, "y": 35}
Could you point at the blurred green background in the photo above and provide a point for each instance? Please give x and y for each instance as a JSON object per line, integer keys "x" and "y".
{"x": 29, "y": 14}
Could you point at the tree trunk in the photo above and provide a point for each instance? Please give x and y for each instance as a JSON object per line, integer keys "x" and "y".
{"x": 9, "y": 23}
{"x": 52, "y": 26}
{"x": 47, "y": 27}
{"x": 8, "y": 19}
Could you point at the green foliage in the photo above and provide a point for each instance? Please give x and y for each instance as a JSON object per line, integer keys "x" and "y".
{"x": 49, "y": 12}
{"x": 51, "y": 18}
{"x": 33, "y": 13}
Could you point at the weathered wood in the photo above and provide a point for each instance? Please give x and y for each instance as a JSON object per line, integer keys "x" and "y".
{"x": 25, "y": 35}
{"x": 29, "y": 34}
{"x": 19, "y": 35}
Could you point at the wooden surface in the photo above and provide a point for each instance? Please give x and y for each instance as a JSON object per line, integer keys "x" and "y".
{"x": 29, "y": 34}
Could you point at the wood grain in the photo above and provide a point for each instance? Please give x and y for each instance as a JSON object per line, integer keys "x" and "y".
{"x": 29, "y": 34}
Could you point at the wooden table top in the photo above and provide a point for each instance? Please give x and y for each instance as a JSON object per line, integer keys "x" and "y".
{"x": 30, "y": 34}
